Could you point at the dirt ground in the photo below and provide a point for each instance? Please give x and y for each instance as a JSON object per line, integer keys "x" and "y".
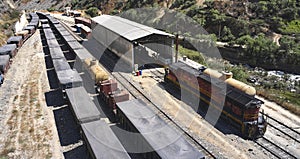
{"x": 27, "y": 125}
{"x": 229, "y": 144}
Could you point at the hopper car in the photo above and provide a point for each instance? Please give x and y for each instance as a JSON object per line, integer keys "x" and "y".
{"x": 100, "y": 140}
{"x": 152, "y": 135}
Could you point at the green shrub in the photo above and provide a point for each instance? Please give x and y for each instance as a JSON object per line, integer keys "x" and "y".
{"x": 14, "y": 14}
{"x": 292, "y": 27}
{"x": 92, "y": 11}
{"x": 51, "y": 9}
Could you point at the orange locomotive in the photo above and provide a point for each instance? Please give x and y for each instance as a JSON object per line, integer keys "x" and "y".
{"x": 220, "y": 91}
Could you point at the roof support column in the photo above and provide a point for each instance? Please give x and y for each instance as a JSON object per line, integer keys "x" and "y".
{"x": 132, "y": 56}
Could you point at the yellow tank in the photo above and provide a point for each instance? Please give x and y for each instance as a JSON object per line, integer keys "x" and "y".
{"x": 227, "y": 77}
{"x": 213, "y": 73}
{"x": 87, "y": 62}
{"x": 98, "y": 74}
{"x": 241, "y": 86}
{"x": 94, "y": 62}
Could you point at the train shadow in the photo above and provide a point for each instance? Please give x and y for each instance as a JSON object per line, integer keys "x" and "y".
{"x": 79, "y": 152}
{"x": 54, "y": 98}
{"x": 222, "y": 123}
{"x": 67, "y": 128}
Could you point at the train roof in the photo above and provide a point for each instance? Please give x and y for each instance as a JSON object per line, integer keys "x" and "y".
{"x": 69, "y": 38}
{"x": 166, "y": 141}
{"x": 242, "y": 98}
{"x": 103, "y": 141}
{"x": 198, "y": 73}
{"x": 61, "y": 29}
{"x": 232, "y": 93}
{"x": 52, "y": 43}
{"x": 83, "y": 54}
{"x": 45, "y": 26}
{"x": 53, "y": 20}
{"x": 56, "y": 53}
{"x": 4, "y": 59}
{"x": 61, "y": 64}
{"x": 29, "y": 27}
{"x": 58, "y": 26}
{"x": 49, "y": 34}
{"x": 69, "y": 78}
{"x": 75, "y": 45}
{"x": 33, "y": 24}
{"x": 44, "y": 21}
{"x": 64, "y": 32}
{"x": 7, "y": 48}
{"x": 82, "y": 105}
{"x": 14, "y": 39}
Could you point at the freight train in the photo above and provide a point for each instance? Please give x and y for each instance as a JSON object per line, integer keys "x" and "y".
{"x": 14, "y": 43}
{"x": 97, "y": 134}
{"x": 239, "y": 104}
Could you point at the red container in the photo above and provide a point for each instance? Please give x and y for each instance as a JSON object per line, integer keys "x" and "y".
{"x": 108, "y": 87}
{"x": 116, "y": 97}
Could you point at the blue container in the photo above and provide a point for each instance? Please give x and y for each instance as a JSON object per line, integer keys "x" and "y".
{"x": 140, "y": 72}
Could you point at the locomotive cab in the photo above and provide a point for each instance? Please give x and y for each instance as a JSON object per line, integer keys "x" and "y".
{"x": 255, "y": 123}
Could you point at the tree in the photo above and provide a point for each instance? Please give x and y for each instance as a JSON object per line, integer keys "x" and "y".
{"x": 227, "y": 35}
{"x": 216, "y": 18}
{"x": 93, "y": 11}
{"x": 287, "y": 43}
{"x": 239, "y": 73}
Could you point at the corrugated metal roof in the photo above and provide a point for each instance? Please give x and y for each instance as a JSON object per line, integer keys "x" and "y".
{"x": 126, "y": 28}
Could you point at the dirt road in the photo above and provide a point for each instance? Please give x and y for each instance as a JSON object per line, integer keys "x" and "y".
{"x": 27, "y": 125}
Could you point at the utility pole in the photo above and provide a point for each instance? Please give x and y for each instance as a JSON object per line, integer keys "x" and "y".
{"x": 176, "y": 47}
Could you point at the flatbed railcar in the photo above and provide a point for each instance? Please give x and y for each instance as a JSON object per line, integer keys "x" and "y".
{"x": 56, "y": 53}
{"x": 81, "y": 55}
{"x": 49, "y": 34}
{"x": 44, "y": 21}
{"x": 69, "y": 38}
{"x": 18, "y": 40}
{"x": 4, "y": 63}
{"x": 102, "y": 142}
{"x": 44, "y": 26}
{"x": 9, "y": 49}
{"x": 234, "y": 99}
{"x": 157, "y": 139}
{"x": 61, "y": 64}
{"x": 83, "y": 107}
{"x": 52, "y": 43}
{"x": 68, "y": 79}
{"x": 31, "y": 28}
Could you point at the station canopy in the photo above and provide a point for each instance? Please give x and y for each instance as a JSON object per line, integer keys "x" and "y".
{"x": 129, "y": 30}
{"x": 121, "y": 35}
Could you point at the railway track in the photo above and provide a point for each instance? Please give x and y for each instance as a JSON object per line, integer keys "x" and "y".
{"x": 137, "y": 93}
{"x": 283, "y": 128}
{"x": 274, "y": 149}
{"x": 67, "y": 25}
{"x": 265, "y": 143}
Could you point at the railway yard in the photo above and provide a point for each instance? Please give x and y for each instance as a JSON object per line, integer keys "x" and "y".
{"x": 41, "y": 118}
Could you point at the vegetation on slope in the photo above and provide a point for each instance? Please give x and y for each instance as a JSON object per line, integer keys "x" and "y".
{"x": 7, "y": 21}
